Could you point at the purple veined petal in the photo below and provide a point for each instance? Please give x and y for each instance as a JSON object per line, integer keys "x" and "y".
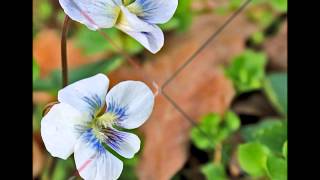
{"x": 125, "y": 144}
{"x": 149, "y": 35}
{"x": 93, "y": 161}
{"x": 60, "y": 129}
{"x": 133, "y": 100}
{"x": 86, "y": 95}
{"x": 154, "y": 11}
{"x": 104, "y": 13}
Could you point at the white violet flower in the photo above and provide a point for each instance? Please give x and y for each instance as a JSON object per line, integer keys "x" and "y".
{"x": 87, "y": 119}
{"x": 138, "y": 19}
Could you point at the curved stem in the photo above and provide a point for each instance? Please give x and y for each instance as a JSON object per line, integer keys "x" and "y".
{"x": 64, "y": 60}
{"x": 64, "y": 66}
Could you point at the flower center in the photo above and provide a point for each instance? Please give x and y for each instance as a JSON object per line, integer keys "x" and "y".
{"x": 106, "y": 120}
{"x": 100, "y": 124}
{"x": 103, "y": 121}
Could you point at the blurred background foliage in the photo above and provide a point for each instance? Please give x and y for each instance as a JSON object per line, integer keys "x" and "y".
{"x": 235, "y": 145}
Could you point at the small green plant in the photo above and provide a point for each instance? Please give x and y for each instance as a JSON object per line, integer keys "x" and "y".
{"x": 214, "y": 129}
{"x": 247, "y": 71}
{"x": 209, "y": 135}
{"x": 265, "y": 152}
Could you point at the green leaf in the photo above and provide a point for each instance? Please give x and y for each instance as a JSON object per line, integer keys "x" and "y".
{"x": 53, "y": 82}
{"x": 232, "y": 121}
{"x": 93, "y": 42}
{"x": 203, "y": 136}
{"x": 285, "y": 149}
{"x": 247, "y": 71}
{"x": 222, "y": 134}
{"x": 131, "y": 46}
{"x": 252, "y": 158}
{"x": 272, "y": 133}
{"x": 214, "y": 171}
{"x": 277, "y": 168}
{"x": 276, "y": 88}
{"x": 104, "y": 66}
{"x": 257, "y": 38}
{"x": 280, "y": 5}
{"x": 35, "y": 71}
{"x": 214, "y": 129}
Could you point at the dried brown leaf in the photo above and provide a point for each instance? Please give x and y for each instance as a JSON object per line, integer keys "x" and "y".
{"x": 199, "y": 89}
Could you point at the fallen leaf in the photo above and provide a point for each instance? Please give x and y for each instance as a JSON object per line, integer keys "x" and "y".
{"x": 199, "y": 89}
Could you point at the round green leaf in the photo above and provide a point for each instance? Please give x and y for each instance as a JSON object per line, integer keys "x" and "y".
{"x": 276, "y": 168}
{"x": 252, "y": 158}
{"x": 214, "y": 172}
{"x": 270, "y": 132}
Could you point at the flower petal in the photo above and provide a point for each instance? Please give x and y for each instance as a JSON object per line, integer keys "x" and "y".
{"x": 154, "y": 11}
{"x": 125, "y": 144}
{"x": 95, "y": 164}
{"x": 149, "y": 35}
{"x": 94, "y": 14}
{"x": 86, "y": 95}
{"x": 60, "y": 129}
{"x": 136, "y": 98}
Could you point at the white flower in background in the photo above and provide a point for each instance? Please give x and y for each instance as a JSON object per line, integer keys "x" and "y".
{"x": 83, "y": 125}
{"x": 138, "y": 19}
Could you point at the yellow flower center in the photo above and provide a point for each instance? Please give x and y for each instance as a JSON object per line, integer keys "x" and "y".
{"x": 106, "y": 120}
